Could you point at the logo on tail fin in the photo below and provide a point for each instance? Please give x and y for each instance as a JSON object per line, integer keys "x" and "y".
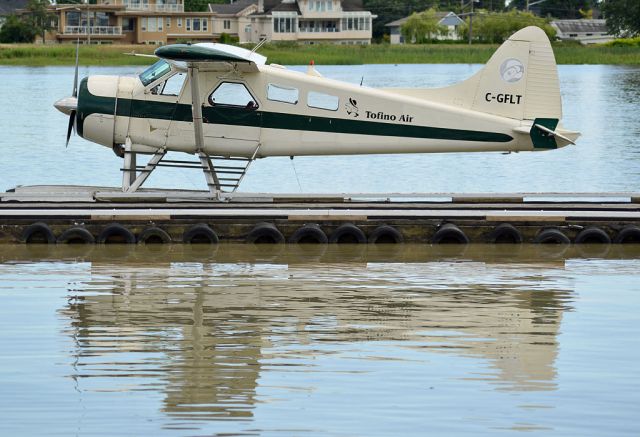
{"x": 512, "y": 70}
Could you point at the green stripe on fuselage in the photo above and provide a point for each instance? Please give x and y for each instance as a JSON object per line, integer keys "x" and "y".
{"x": 233, "y": 116}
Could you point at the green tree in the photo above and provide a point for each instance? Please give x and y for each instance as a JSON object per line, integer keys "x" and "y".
{"x": 422, "y": 27}
{"x": 623, "y": 17}
{"x": 492, "y": 27}
{"x": 39, "y": 16}
{"x": 391, "y": 10}
{"x": 16, "y": 30}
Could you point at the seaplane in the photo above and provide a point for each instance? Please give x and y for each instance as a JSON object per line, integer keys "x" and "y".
{"x": 228, "y": 106}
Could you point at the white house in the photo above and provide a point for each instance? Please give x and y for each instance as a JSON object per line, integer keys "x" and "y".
{"x": 306, "y": 21}
{"x": 585, "y": 31}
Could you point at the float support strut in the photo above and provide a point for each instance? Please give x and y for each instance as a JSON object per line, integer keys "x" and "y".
{"x": 196, "y": 109}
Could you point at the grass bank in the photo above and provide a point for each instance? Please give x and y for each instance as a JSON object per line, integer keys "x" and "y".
{"x": 38, "y": 55}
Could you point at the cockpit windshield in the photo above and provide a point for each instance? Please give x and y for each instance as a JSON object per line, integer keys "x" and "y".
{"x": 154, "y": 72}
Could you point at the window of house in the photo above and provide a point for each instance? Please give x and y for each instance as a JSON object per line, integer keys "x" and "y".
{"x": 205, "y": 24}
{"x": 311, "y": 5}
{"x": 143, "y": 24}
{"x": 168, "y": 22}
{"x": 196, "y": 24}
{"x": 330, "y": 5}
{"x": 281, "y": 93}
{"x": 188, "y": 24}
{"x": 179, "y": 22}
{"x": 232, "y": 94}
{"x": 227, "y": 24}
{"x": 322, "y": 101}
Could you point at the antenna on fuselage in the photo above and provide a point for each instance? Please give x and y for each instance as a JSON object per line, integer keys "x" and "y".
{"x": 260, "y": 44}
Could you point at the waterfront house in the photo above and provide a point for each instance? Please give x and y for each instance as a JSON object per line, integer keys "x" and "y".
{"x": 165, "y": 22}
{"x": 130, "y": 22}
{"x": 447, "y": 19}
{"x": 584, "y": 31}
{"x": 305, "y": 21}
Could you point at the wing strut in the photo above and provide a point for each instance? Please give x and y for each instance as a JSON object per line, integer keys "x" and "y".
{"x": 196, "y": 108}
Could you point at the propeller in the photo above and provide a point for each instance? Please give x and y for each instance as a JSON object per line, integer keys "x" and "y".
{"x": 69, "y": 105}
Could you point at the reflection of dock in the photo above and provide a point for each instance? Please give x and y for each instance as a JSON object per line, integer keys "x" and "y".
{"x": 416, "y": 217}
{"x": 213, "y": 326}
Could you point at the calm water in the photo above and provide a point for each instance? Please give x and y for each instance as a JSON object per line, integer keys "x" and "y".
{"x": 326, "y": 341}
{"x": 602, "y": 102}
{"x": 331, "y": 341}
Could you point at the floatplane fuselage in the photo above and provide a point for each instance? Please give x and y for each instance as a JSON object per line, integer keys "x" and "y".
{"x": 225, "y": 101}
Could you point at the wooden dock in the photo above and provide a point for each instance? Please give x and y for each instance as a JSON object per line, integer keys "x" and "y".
{"x": 98, "y": 214}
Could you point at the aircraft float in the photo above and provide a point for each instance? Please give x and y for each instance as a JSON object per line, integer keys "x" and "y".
{"x": 226, "y": 104}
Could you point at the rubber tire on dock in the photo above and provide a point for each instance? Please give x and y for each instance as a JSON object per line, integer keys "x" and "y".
{"x": 629, "y": 234}
{"x": 41, "y": 230}
{"x": 551, "y": 236}
{"x": 348, "y": 234}
{"x": 505, "y": 233}
{"x": 200, "y": 234}
{"x": 385, "y": 234}
{"x": 122, "y": 235}
{"x": 154, "y": 235}
{"x": 593, "y": 235}
{"x": 76, "y": 235}
{"x": 309, "y": 233}
{"x": 449, "y": 234}
{"x": 265, "y": 233}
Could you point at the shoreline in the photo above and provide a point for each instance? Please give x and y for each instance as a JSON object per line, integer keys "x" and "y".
{"x": 115, "y": 55}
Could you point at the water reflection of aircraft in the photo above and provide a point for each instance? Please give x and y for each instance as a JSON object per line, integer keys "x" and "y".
{"x": 215, "y": 100}
{"x": 207, "y": 329}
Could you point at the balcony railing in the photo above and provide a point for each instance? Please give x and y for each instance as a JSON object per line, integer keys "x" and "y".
{"x": 156, "y": 8}
{"x": 169, "y": 8}
{"x": 93, "y": 30}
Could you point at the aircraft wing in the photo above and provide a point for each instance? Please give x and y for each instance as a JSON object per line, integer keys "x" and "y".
{"x": 212, "y": 56}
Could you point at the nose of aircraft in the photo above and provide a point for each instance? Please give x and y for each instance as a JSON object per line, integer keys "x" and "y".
{"x": 66, "y": 105}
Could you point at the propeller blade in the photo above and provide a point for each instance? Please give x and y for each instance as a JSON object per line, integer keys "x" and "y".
{"x": 75, "y": 78}
{"x": 72, "y": 126}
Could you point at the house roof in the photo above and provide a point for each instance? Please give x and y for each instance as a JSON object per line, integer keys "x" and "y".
{"x": 8, "y": 7}
{"x": 231, "y": 8}
{"x": 352, "y": 5}
{"x": 446, "y": 18}
{"x": 581, "y": 26}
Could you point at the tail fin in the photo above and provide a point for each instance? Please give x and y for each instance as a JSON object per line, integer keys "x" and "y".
{"x": 520, "y": 81}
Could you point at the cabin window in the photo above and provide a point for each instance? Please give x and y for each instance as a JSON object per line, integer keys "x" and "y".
{"x": 156, "y": 71}
{"x": 283, "y": 94}
{"x": 232, "y": 94}
{"x": 172, "y": 86}
{"x": 322, "y": 101}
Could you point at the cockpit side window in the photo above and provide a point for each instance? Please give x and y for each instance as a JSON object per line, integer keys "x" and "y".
{"x": 170, "y": 87}
{"x": 232, "y": 94}
{"x": 156, "y": 71}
